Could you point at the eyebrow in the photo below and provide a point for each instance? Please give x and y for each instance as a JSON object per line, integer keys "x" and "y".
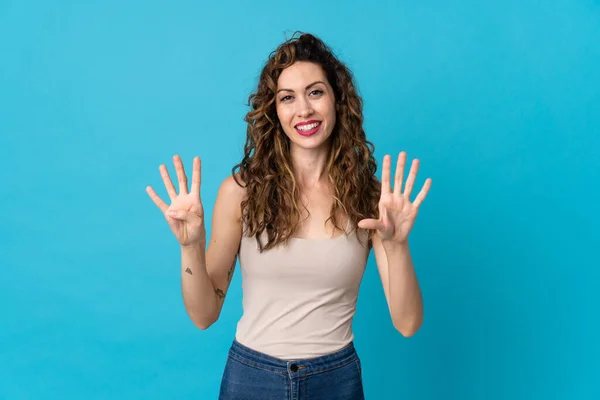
{"x": 308, "y": 87}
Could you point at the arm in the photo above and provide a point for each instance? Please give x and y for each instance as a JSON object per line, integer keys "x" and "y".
{"x": 206, "y": 275}
{"x": 397, "y": 215}
{"x": 400, "y": 285}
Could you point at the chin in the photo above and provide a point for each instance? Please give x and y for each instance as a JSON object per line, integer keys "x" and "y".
{"x": 312, "y": 143}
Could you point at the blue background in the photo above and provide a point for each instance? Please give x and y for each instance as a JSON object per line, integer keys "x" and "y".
{"x": 499, "y": 100}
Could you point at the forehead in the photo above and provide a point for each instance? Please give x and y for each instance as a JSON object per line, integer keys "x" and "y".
{"x": 300, "y": 74}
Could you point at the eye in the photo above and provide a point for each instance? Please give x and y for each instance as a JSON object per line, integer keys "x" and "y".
{"x": 317, "y": 92}
{"x": 284, "y": 98}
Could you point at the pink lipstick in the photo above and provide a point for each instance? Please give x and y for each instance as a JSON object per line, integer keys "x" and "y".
{"x": 310, "y": 132}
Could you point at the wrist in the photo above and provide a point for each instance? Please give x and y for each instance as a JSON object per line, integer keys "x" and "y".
{"x": 394, "y": 245}
{"x": 195, "y": 246}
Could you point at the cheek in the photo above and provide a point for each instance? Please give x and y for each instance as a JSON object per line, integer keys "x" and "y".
{"x": 283, "y": 113}
{"x": 326, "y": 109}
{"x": 332, "y": 114}
{"x": 284, "y": 120}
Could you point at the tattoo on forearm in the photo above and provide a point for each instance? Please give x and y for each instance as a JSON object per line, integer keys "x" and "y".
{"x": 220, "y": 294}
{"x": 189, "y": 271}
{"x": 230, "y": 272}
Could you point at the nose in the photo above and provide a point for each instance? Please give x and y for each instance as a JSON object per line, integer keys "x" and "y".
{"x": 304, "y": 108}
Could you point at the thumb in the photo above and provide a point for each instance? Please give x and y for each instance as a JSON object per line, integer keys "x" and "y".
{"x": 178, "y": 214}
{"x": 369, "y": 224}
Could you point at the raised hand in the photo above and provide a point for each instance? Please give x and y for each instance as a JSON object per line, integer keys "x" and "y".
{"x": 185, "y": 215}
{"x": 396, "y": 212}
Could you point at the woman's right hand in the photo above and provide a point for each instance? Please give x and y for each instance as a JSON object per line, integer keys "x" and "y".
{"x": 185, "y": 215}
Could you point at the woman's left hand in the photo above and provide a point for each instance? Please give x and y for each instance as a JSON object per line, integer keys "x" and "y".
{"x": 396, "y": 213}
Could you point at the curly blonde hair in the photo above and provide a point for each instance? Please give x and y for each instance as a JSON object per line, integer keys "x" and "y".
{"x": 266, "y": 170}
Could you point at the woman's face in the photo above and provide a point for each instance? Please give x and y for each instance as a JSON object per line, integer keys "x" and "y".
{"x": 305, "y": 105}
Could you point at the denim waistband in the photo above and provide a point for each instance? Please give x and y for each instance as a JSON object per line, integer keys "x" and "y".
{"x": 300, "y": 367}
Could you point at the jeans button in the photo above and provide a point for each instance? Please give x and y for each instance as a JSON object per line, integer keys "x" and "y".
{"x": 294, "y": 367}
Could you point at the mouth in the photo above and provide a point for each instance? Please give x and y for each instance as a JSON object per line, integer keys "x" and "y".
{"x": 308, "y": 129}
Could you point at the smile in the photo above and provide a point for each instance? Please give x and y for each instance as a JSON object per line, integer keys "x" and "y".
{"x": 308, "y": 129}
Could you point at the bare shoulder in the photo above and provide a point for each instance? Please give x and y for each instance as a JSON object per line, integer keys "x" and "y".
{"x": 233, "y": 186}
{"x": 232, "y": 193}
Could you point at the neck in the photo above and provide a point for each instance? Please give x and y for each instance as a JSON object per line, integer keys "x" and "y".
{"x": 309, "y": 165}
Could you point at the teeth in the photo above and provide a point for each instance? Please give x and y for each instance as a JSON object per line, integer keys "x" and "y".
{"x": 306, "y": 128}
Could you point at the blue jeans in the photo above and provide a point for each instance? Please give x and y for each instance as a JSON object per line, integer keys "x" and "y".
{"x": 251, "y": 375}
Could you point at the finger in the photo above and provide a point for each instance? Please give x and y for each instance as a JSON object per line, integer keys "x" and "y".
{"x": 399, "y": 173}
{"x": 167, "y": 181}
{"x": 157, "y": 200}
{"x": 410, "y": 180}
{"x": 181, "y": 215}
{"x": 370, "y": 224}
{"x": 183, "y": 183}
{"x": 196, "y": 178}
{"x": 184, "y": 215}
{"x": 423, "y": 193}
{"x": 385, "y": 174}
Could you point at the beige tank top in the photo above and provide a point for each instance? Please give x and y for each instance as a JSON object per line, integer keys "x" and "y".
{"x": 299, "y": 299}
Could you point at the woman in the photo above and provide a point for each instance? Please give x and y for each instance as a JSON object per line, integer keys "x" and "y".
{"x": 302, "y": 214}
